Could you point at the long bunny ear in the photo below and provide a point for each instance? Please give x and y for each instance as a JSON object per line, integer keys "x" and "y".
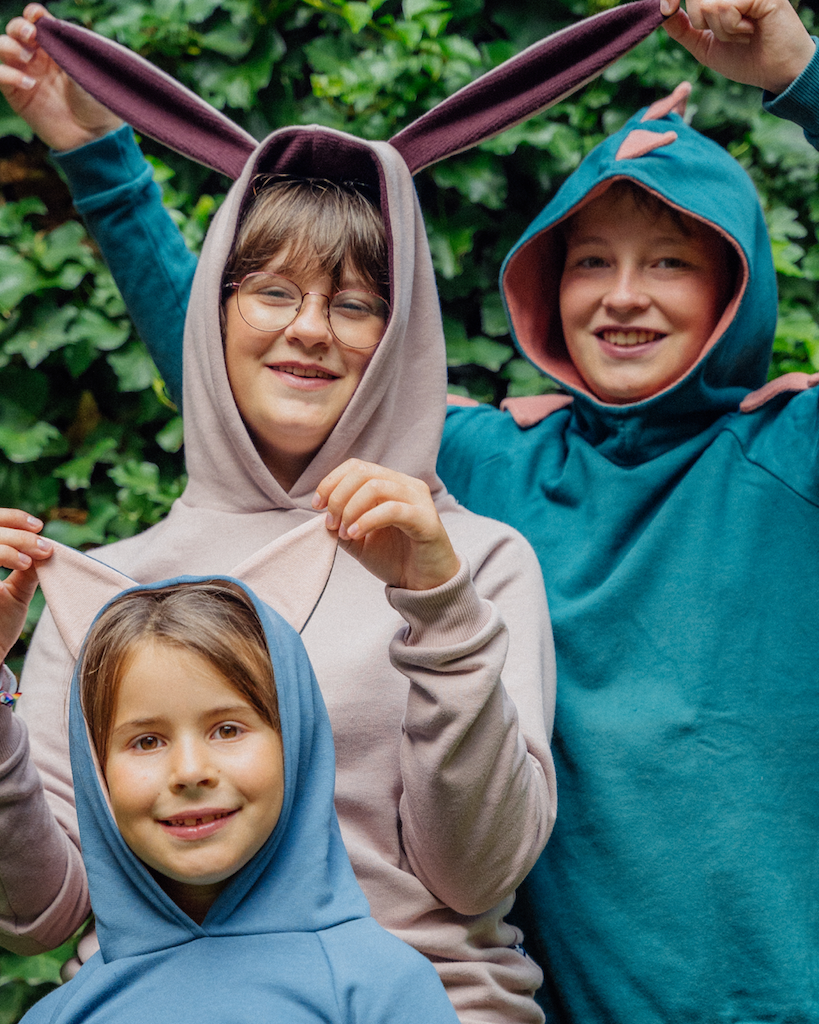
{"x": 147, "y": 98}
{"x": 290, "y": 574}
{"x": 157, "y": 105}
{"x": 526, "y": 84}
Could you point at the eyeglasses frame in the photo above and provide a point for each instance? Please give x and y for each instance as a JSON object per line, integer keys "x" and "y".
{"x": 236, "y": 285}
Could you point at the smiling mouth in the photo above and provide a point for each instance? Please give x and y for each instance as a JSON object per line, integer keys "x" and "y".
{"x": 304, "y": 371}
{"x": 206, "y": 819}
{"x": 629, "y": 339}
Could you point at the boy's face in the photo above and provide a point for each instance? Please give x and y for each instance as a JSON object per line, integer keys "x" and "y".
{"x": 195, "y": 775}
{"x": 640, "y": 295}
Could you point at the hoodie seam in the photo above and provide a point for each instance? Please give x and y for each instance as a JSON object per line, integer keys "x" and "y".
{"x": 342, "y": 1013}
{"x": 767, "y": 470}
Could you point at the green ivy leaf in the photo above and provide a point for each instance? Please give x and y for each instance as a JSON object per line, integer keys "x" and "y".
{"x": 104, "y": 334}
{"x": 30, "y": 443}
{"x": 357, "y": 15}
{"x": 62, "y": 244}
{"x": 18, "y": 278}
{"x": 526, "y": 379}
{"x": 133, "y": 366}
{"x": 170, "y": 437}
{"x": 48, "y": 333}
{"x": 13, "y": 215}
{"x": 77, "y": 472}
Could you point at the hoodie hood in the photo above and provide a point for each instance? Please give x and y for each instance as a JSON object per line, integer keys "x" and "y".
{"x": 659, "y": 151}
{"x": 301, "y": 879}
{"x": 403, "y": 391}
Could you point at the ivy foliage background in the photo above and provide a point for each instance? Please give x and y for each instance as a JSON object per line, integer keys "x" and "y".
{"x": 88, "y": 440}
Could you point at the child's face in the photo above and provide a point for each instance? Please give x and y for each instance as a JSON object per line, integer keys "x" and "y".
{"x": 639, "y": 296}
{"x": 195, "y": 775}
{"x": 292, "y": 387}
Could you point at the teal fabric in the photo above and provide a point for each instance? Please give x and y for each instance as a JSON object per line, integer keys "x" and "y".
{"x": 113, "y": 187}
{"x": 677, "y": 538}
{"x": 289, "y": 939}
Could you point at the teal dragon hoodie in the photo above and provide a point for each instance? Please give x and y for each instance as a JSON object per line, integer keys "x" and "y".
{"x": 678, "y": 541}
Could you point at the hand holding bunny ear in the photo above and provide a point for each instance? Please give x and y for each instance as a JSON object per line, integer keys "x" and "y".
{"x": 757, "y": 42}
{"x": 20, "y": 547}
{"x": 63, "y": 114}
{"x": 389, "y": 522}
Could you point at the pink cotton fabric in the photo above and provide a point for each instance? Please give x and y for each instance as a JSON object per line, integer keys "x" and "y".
{"x": 441, "y": 701}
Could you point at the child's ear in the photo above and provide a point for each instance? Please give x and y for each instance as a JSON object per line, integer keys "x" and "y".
{"x": 291, "y": 573}
{"x": 76, "y": 587}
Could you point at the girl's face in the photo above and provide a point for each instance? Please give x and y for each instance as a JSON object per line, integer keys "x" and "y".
{"x": 291, "y": 387}
{"x": 195, "y": 775}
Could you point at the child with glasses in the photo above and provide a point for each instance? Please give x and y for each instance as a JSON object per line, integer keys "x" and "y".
{"x": 440, "y": 688}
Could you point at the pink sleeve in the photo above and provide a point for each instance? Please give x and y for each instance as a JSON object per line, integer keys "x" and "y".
{"x": 43, "y": 891}
{"x": 479, "y": 795}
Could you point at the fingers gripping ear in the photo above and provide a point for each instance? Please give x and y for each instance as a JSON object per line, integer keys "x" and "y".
{"x": 149, "y": 100}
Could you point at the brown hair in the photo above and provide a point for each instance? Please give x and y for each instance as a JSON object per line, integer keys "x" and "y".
{"x": 315, "y": 225}
{"x": 213, "y": 619}
{"x": 650, "y": 203}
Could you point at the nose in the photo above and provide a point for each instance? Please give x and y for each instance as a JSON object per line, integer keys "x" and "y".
{"x": 191, "y": 766}
{"x": 312, "y": 324}
{"x": 626, "y": 291}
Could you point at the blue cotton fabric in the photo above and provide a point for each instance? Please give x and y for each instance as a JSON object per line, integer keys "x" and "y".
{"x": 289, "y": 939}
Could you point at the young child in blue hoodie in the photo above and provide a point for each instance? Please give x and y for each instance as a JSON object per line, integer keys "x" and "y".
{"x": 672, "y": 499}
{"x": 204, "y": 772}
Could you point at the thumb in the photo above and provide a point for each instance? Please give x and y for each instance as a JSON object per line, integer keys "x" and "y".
{"x": 678, "y": 25}
{"x": 21, "y": 584}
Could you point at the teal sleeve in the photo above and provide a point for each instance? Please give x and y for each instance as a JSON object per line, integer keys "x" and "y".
{"x": 800, "y": 101}
{"x": 113, "y": 189}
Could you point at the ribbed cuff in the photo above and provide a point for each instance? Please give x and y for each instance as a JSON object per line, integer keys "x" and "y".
{"x": 800, "y": 101}
{"x": 444, "y": 616}
{"x": 100, "y": 171}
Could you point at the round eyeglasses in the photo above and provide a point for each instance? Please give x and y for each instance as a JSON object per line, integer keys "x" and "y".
{"x": 268, "y": 302}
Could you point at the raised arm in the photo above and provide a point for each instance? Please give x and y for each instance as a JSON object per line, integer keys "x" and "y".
{"x": 478, "y": 790}
{"x": 113, "y": 188}
{"x": 479, "y": 797}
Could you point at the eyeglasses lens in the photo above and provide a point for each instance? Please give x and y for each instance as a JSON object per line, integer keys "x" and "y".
{"x": 268, "y": 302}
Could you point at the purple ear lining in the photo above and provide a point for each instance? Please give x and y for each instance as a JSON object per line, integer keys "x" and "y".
{"x": 147, "y": 98}
{"x": 542, "y": 75}
{"x": 157, "y": 105}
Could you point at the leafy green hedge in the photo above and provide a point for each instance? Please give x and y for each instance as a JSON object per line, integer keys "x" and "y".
{"x": 88, "y": 438}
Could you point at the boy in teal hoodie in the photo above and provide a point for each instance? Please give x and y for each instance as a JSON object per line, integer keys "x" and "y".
{"x": 674, "y": 504}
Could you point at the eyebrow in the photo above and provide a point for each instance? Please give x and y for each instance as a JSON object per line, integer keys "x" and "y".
{"x": 159, "y": 720}
{"x": 599, "y": 240}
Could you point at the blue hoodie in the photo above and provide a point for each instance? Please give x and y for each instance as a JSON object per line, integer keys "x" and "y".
{"x": 290, "y": 939}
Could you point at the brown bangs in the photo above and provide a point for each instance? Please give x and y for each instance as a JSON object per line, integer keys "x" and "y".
{"x": 312, "y": 225}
